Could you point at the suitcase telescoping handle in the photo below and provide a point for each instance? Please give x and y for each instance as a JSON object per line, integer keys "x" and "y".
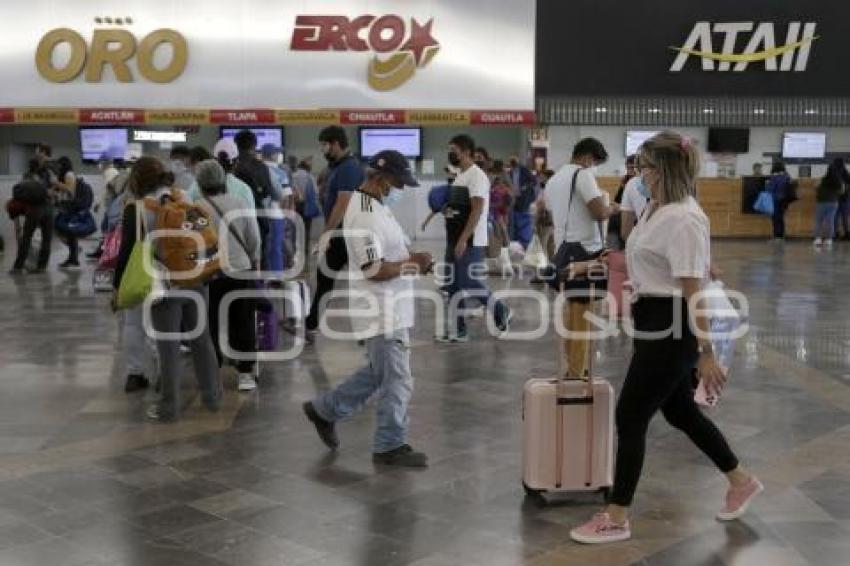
{"x": 561, "y": 403}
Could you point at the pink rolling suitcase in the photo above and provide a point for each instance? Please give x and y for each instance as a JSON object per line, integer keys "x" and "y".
{"x": 568, "y": 430}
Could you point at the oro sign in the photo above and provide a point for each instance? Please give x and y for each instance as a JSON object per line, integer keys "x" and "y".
{"x": 113, "y": 47}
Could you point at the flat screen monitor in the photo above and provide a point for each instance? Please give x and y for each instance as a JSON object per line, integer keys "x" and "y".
{"x": 635, "y": 139}
{"x": 265, "y": 136}
{"x": 802, "y": 145}
{"x": 407, "y": 141}
{"x": 103, "y": 143}
{"x": 728, "y": 140}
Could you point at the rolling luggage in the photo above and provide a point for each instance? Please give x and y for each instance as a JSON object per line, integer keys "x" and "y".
{"x": 568, "y": 423}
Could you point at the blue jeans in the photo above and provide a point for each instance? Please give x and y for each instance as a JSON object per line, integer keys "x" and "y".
{"x": 825, "y": 220}
{"x": 388, "y": 375}
{"x": 468, "y": 283}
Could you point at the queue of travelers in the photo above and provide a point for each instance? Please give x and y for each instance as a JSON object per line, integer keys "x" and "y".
{"x": 208, "y": 224}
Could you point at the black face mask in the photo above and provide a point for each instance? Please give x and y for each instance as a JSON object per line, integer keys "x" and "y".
{"x": 481, "y": 164}
{"x": 329, "y": 157}
{"x": 454, "y": 160}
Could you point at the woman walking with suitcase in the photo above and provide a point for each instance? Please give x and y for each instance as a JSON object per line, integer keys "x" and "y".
{"x": 668, "y": 259}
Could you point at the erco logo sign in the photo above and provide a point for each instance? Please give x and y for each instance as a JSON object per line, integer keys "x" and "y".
{"x": 761, "y": 47}
{"x": 386, "y": 34}
{"x": 113, "y": 47}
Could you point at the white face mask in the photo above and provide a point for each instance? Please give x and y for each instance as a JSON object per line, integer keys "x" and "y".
{"x": 393, "y": 196}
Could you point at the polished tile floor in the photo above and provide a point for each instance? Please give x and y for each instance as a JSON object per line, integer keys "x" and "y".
{"x": 85, "y": 481}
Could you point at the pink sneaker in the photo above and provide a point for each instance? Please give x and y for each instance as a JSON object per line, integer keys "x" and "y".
{"x": 738, "y": 500}
{"x": 601, "y": 529}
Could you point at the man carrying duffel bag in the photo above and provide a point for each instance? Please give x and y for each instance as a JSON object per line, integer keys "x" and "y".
{"x": 75, "y": 219}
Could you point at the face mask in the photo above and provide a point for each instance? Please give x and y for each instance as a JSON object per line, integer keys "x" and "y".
{"x": 393, "y": 196}
{"x": 454, "y": 160}
{"x": 328, "y": 156}
{"x": 481, "y": 164}
{"x": 594, "y": 170}
{"x": 279, "y": 159}
{"x": 177, "y": 166}
{"x": 642, "y": 188}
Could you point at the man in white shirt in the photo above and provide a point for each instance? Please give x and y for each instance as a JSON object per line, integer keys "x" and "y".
{"x": 635, "y": 198}
{"x": 382, "y": 268}
{"x": 578, "y": 205}
{"x": 466, "y": 226}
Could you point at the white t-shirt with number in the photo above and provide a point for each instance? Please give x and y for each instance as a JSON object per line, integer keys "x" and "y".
{"x": 478, "y": 184}
{"x": 580, "y": 226}
{"x": 671, "y": 243}
{"x": 372, "y": 235}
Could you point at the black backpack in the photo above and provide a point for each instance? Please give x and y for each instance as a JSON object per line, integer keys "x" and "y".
{"x": 256, "y": 175}
{"x": 83, "y": 196}
{"x": 31, "y": 192}
{"x": 456, "y": 212}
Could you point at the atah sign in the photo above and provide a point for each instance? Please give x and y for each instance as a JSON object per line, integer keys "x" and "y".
{"x": 722, "y": 48}
{"x": 761, "y": 47}
{"x": 373, "y": 54}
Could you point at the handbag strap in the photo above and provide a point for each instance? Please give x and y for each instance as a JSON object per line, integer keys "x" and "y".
{"x": 570, "y": 206}
{"x": 232, "y": 230}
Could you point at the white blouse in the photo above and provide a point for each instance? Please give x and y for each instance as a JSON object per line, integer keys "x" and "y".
{"x": 671, "y": 243}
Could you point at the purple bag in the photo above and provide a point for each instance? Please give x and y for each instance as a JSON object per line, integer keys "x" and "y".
{"x": 267, "y": 331}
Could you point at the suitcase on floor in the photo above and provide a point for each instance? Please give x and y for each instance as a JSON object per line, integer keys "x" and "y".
{"x": 568, "y": 428}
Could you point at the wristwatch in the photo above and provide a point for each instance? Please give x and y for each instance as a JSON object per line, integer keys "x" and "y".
{"x": 705, "y": 348}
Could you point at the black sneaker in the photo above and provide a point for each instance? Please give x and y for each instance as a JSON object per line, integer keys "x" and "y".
{"x": 403, "y": 456}
{"x": 135, "y": 382}
{"x": 503, "y": 322}
{"x": 17, "y": 271}
{"x": 326, "y": 429}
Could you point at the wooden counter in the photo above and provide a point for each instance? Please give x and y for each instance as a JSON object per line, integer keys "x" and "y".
{"x": 721, "y": 200}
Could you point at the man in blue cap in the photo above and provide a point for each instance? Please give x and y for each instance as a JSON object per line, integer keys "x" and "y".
{"x": 382, "y": 272}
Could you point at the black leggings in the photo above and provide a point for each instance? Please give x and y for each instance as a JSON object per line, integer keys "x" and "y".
{"x": 659, "y": 377}
{"x": 241, "y": 326}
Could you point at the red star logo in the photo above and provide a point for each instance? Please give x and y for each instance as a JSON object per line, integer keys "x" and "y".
{"x": 420, "y": 40}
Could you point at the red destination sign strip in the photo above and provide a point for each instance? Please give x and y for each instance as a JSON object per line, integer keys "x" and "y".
{"x": 372, "y": 117}
{"x": 255, "y": 116}
{"x": 112, "y": 116}
{"x": 502, "y": 118}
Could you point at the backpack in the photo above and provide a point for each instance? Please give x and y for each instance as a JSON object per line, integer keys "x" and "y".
{"x": 791, "y": 191}
{"x": 187, "y": 262}
{"x": 30, "y": 192}
{"x": 257, "y": 176}
{"x": 83, "y": 196}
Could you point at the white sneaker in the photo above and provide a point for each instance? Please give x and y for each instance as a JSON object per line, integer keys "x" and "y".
{"x": 247, "y": 382}
{"x": 818, "y": 242}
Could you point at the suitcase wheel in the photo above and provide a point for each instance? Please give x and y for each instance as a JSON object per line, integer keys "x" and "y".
{"x": 529, "y": 492}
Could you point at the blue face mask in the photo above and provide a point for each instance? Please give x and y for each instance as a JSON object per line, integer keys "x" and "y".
{"x": 393, "y": 196}
{"x": 642, "y": 188}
